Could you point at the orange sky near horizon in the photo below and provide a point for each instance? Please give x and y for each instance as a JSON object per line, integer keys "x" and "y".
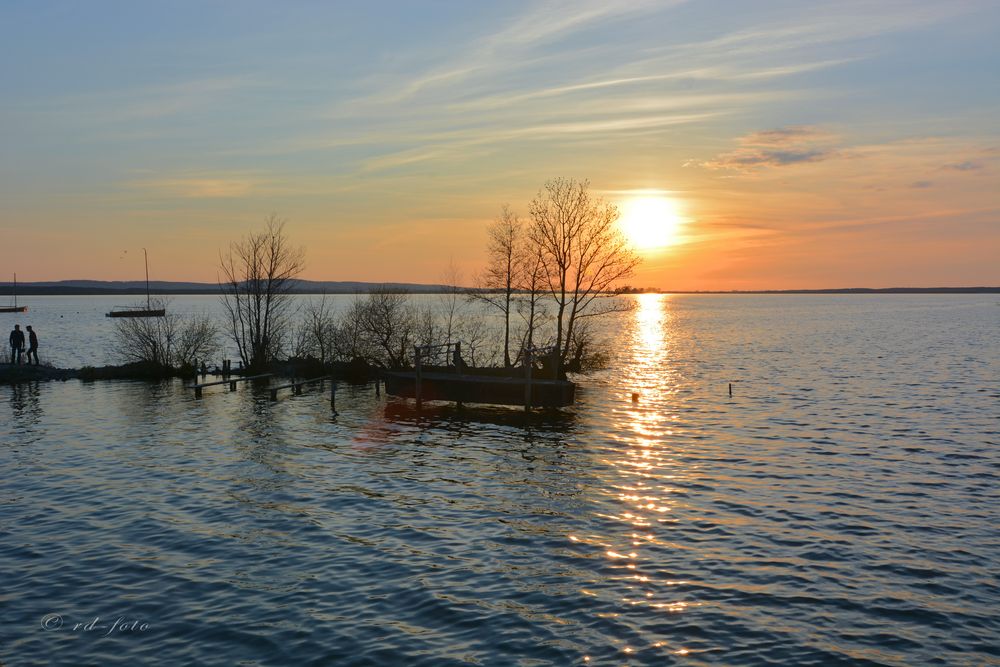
{"x": 782, "y": 147}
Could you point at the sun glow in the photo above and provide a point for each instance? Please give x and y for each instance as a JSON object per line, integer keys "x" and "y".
{"x": 650, "y": 222}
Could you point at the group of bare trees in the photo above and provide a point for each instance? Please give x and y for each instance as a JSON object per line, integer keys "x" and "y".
{"x": 381, "y": 328}
{"x": 556, "y": 270}
{"x": 546, "y": 276}
{"x": 171, "y": 341}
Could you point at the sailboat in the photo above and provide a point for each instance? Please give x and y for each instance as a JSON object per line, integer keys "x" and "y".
{"x": 15, "y": 308}
{"x": 139, "y": 311}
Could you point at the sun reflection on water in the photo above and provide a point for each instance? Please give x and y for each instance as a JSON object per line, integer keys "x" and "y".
{"x": 649, "y": 467}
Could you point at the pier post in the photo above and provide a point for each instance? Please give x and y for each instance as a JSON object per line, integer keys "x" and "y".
{"x": 274, "y": 394}
{"x": 197, "y": 391}
{"x": 232, "y": 385}
{"x": 416, "y": 381}
{"x": 333, "y": 397}
{"x": 527, "y": 380}
{"x": 378, "y": 392}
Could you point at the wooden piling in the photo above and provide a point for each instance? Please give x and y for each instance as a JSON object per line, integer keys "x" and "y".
{"x": 527, "y": 380}
{"x": 416, "y": 382}
{"x": 730, "y": 390}
{"x": 333, "y": 397}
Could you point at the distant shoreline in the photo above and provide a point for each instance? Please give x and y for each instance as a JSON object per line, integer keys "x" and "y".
{"x": 187, "y": 289}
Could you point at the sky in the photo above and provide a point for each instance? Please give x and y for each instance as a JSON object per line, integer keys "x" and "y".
{"x": 800, "y": 145}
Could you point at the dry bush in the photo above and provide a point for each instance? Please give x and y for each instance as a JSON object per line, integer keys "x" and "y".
{"x": 172, "y": 341}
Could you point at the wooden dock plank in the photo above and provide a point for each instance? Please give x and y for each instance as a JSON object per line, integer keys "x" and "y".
{"x": 231, "y": 382}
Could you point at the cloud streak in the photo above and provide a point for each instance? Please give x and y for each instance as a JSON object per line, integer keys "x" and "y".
{"x": 777, "y": 147}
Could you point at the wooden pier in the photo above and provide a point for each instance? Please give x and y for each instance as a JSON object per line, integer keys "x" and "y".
{"x": 462, "y": 385}
{"x": 231, "y": 381}
{"x": 296, "y": 385}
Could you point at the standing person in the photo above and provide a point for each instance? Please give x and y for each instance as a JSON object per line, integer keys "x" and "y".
{"x": 32, "y": 345}
{"x": 16, "y": 344}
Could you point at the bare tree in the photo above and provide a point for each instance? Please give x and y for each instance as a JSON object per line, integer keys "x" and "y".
{"x": 349, "y": 339}
{"x": 170, "y": 341}
{"x": 388, "y": 323}
{"x": 498, "y": 285}
{"x": 451, "y": 300}
{"x": 316, "y": 332}
{"x": 584, "y": 254}
{"x": 257, "y": 276}
{"x": 531, "y": 289}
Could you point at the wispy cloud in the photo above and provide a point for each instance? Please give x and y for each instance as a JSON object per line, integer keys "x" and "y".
{"x": 456, "y": 144}
{"x": 199, "y": 187}
{"x": 967, "y": 165}
{"x": 777, "y": 148}
{"x": 786, "y": 136}
{"x": 507, "y": 47}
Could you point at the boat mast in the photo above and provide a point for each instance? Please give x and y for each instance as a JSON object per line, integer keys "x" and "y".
{"x": 146, "y": 258}
{"x": 15, "y": 290}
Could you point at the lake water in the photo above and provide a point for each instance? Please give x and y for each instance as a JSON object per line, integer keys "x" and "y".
{"x": 840, "y": 508}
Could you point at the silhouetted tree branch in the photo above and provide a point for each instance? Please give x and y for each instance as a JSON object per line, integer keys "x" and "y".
{"x": 257, "y": 276}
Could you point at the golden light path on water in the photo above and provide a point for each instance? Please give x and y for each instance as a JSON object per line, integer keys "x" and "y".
{"x": 645, "y": 467}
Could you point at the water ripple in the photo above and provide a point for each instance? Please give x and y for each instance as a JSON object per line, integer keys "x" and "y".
{"x": 839, "y": 509}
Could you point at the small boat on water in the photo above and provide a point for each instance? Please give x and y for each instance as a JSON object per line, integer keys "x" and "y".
{"x": 139, "y": 311}
{"x": 15, "y": 308}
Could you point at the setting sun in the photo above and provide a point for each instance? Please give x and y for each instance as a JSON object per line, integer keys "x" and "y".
{"x": 650, "y": 222}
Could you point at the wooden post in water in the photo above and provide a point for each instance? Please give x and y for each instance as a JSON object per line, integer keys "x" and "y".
{"x": 232, "y": 385}
{"x": 416, "y": 379}
{"x": 527, "y": 379}
{"x": 730, "y": 390}
{"x": 333, "y": 397}
{"x": 458, "y": 368}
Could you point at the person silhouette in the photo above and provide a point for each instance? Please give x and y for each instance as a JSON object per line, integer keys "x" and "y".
{"x": 32, "y": 345}
{"x": 457, "y": 360}
{"x": 16, "y": 344}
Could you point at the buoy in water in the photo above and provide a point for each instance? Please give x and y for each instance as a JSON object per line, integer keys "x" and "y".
{"x": 635, "y": 397}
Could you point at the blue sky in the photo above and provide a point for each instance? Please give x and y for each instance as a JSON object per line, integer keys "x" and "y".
{"x": 381, "y": 129}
